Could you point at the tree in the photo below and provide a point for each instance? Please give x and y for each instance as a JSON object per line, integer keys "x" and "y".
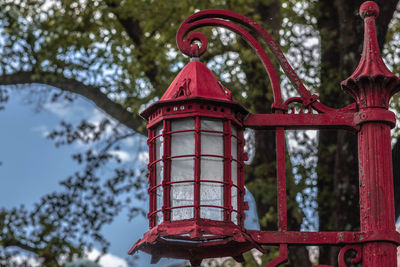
{"x": 121, "y": 56}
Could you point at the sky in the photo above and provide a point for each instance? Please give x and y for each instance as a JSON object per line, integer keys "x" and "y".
{"x": 32, "y": 166}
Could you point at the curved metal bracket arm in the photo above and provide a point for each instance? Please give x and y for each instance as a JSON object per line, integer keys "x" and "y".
{"x": 226, "y": 19}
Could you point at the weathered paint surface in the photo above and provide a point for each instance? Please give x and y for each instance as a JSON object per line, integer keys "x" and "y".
{"x": 372, "y": 85}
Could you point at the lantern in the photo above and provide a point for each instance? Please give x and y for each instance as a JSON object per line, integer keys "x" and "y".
{"x": 196, "y": 162}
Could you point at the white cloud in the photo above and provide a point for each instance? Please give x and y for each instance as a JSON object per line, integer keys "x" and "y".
{"x": 64, "y": 110}
{"x": 144, "y": 156}
{"x": 129, "y": 142}
{"x": 97, "y": 116}
{"x": 43, "y": 130}
{"x": 107, "y": 260}
{"x": 122, "y": 155}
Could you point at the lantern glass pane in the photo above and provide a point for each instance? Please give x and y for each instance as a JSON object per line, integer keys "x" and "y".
{"x": 182, "y": 143}
{"x": 234, "y": 145}
{"x": 234, "y": 172}
{"x": 212, "y": 168}
{"x": 234, "y": 130}
{"x": 212, "y": 125}
{"x": 159, "y": 172}
{"x": 159, "y": 204}
{"x": 234, "y": 217}
{"x": 234, "y": 194}
{"x": 159, "y": 142}
{"x": 159, "y": 151}
{"x": 182, "y": 195}
{"x": 182, "y": 168}
{"x": 211, "y": 194}
{"x": 212, "y": 143}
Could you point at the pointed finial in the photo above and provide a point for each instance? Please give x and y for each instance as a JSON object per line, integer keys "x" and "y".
{"x": 372, "y": 84}
{"x": 368, "y": 9}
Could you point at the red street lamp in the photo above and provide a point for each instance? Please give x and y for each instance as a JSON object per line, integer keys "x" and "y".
{"x": 196, "y": 158}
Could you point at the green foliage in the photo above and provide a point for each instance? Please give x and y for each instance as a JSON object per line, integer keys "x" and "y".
{"x": 124, "y": 52}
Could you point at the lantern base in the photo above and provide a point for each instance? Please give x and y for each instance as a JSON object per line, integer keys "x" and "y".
{"x": 195, "y": 240}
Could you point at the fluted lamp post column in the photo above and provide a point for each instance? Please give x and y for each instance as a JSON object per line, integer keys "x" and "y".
{"x": 372, "y": 85}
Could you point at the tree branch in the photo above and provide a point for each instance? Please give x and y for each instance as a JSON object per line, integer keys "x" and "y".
{"x": 92, "y": 93}
{"x": 135, "y": 32}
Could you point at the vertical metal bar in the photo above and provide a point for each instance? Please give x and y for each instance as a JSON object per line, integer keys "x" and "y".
{"x": 376, "y": 192}
{"x": 167, "y": 170}
{"x": 281, "y": 174}
{"x": 227, "y": 170}
{"x": 152, "y": 174}
{"x": 240, "y": 156}
{"x": 197, "y": 151}
{"x": 281, "y": 186}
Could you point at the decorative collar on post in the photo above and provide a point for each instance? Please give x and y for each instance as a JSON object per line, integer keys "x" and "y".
{"x": 372, "y": 84}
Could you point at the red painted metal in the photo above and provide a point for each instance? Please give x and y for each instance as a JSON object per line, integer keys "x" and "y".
{"x": 372, "y": 85}
{"x": 196, "y": 93}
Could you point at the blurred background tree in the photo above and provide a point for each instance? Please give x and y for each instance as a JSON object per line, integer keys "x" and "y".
{"x": 121, "y": 55}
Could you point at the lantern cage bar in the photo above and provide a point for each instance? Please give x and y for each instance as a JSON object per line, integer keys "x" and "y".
{"x": 196, "y": 95}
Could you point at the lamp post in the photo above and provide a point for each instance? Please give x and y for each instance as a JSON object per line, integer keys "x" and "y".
{"x": 196, "y": 158}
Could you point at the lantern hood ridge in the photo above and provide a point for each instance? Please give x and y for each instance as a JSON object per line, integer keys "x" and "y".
{"x": 195, "y": 82}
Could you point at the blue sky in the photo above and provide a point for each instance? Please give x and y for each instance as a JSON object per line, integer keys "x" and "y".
{"x": 32, "y": 166}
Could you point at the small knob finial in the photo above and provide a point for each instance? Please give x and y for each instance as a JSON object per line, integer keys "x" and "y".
{"x": 368, "y": 9}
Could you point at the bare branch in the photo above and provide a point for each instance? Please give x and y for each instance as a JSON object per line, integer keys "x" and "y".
{"x": 93, "y": 93}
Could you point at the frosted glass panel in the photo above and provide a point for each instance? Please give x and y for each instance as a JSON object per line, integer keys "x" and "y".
{"x": 234, "y": 131}
{"x": 215, "y": 214}
{"x": 159, "y": 217}
{"x": 159, "y": 129}
{"x": 212, "y": 169}
{"x": 182, "y": 124}
{"x": 182, "y": 144}
{"x": 211, "y": 194}
{"x": 159, "y": 200}
{"x": 212, "y": 144}
{"x": 212, "y": 125}
{"x": 159, "y": 147}
{"x": 234, "y": 172}
{"x": 182, "y": 195}
{"x": 159, "y": 153}
{"x": 234, "y": 217}
{"x": 159, "y": 172}
{"x": 159, "y": 204}
{"x": 234, "y": 147}
{"x": 234, "y": 203}
{"x": 182, "y": 169}
{"x": 181, "y": 214}
{"x": 234, "y": 194}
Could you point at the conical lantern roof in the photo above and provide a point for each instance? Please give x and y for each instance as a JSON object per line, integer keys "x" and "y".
{"x": 194, "y": 82}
